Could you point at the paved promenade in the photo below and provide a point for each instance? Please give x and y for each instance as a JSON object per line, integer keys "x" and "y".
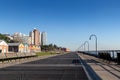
{"x": 104, "y": 69}
{"x": 59, "y": 67}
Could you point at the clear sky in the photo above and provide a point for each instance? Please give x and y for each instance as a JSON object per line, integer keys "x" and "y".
{"x": 68, "y": 23}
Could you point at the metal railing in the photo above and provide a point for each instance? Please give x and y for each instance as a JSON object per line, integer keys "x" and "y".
{"x": 109, "y": 55}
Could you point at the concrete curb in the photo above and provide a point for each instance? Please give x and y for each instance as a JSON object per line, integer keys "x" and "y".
{"x": 91, "y": 73}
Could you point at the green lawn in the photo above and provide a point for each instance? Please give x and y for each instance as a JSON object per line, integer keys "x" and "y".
{"x": 45, "y": 53}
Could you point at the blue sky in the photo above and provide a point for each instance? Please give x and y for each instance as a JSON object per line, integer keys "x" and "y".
{"x": 68, "y": 23}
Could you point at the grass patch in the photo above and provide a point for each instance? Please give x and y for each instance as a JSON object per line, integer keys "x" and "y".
{"x": 45, "y": 53}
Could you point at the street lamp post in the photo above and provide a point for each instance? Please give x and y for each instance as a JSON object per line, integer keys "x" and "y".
{"x": 95, "y": 41}
{"x": 87, "y": 43}
{"x": 82, "y": 46}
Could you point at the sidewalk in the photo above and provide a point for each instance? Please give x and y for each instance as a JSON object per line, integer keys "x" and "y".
{"x": 105, "y": 70}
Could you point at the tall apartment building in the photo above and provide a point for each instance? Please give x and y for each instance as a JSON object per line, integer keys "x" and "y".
{"x": 43, "y": 38}
{"x": 32, "y": 37}
{"x": 35, "y": 37}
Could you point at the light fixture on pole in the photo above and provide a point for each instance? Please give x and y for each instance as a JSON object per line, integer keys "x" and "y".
{"x": 95, "y": 41}
{"x": 87, "y": 43}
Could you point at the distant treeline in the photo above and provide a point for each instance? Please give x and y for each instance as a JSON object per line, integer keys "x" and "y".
{"x": 51, "y": 47}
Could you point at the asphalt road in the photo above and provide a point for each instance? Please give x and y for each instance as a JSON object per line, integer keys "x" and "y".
{"x": 62, "y": 67}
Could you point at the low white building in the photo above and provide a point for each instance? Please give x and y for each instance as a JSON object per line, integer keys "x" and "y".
{"x": 3, "y": 47}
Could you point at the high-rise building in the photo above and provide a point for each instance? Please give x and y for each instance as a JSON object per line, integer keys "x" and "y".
{"x": 44, "y": 38}
{"x": 35, "y": 37}
{"x": 32, "y": 37}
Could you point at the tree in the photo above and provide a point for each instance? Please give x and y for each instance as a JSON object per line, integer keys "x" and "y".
{"x": 49, "y": 47}
{"x": 5, "y": 38}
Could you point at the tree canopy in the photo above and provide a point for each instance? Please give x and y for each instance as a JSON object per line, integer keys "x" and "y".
{"x": 5, "y": 38}
{"x": 50, "y": 47}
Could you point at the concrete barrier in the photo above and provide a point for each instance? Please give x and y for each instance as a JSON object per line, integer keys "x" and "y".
{"x": 2, "y": 56}
{"x": 14, "y": 56}
{"x": 21, "y": 54}
{"x": 11, "y": 55}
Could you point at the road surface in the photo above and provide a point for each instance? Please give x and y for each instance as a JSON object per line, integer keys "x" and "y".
{"x": 61, "y": 67}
